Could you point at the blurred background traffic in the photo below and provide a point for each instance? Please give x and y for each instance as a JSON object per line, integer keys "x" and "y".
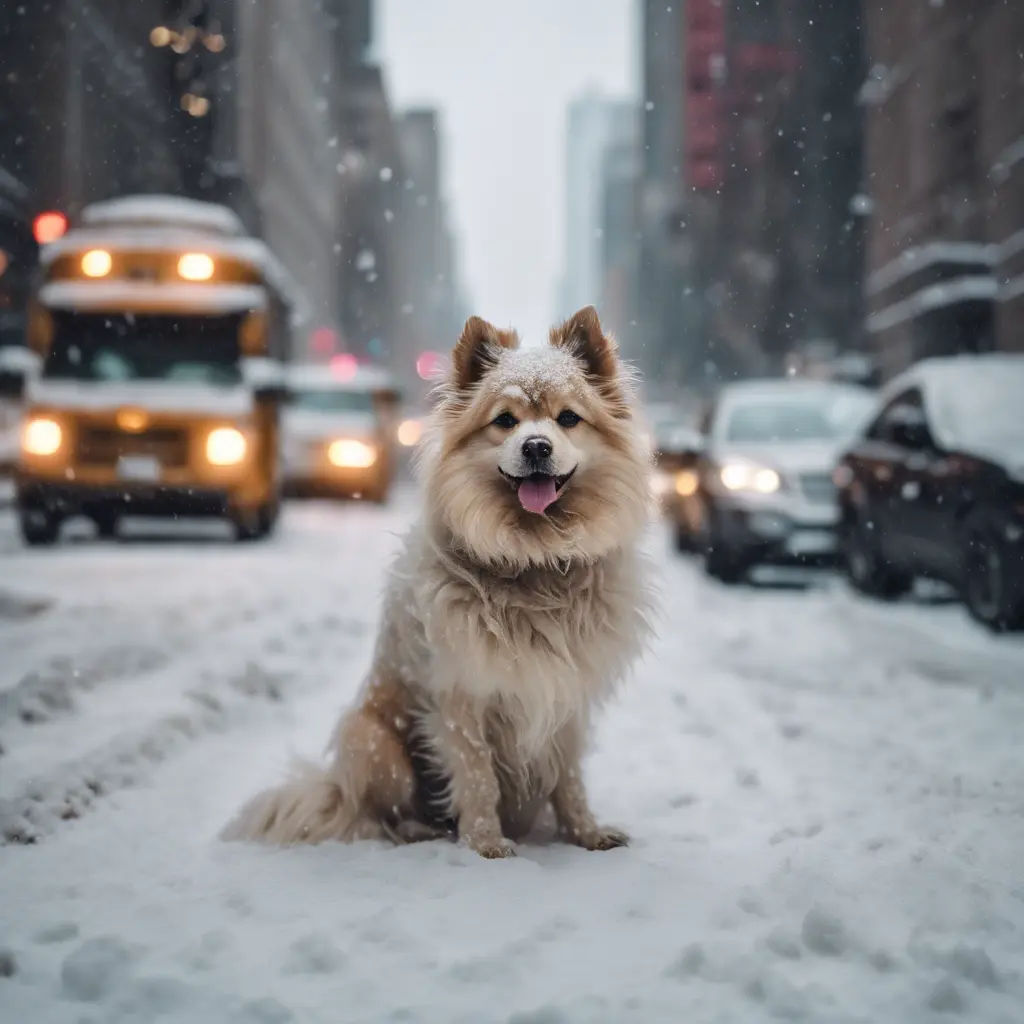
{"x": 232, "y": 261}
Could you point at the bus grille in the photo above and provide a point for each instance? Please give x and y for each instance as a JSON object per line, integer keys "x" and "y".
{"x": 103, "y": 446}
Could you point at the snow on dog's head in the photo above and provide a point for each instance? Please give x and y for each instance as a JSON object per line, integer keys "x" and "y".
{"x": 533, "y": 456}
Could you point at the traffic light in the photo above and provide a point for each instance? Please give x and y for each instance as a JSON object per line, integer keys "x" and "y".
{"x": 49, "y": 226}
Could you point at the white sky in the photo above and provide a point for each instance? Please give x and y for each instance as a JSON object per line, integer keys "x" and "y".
{"x": 502, "y": 74}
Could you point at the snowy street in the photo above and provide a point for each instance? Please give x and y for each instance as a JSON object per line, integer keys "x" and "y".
{"x": 824, "y": 797}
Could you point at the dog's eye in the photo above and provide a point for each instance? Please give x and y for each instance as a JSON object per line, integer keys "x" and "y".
{"x": 506, "y": 421}
{"x": 567, "y": 418}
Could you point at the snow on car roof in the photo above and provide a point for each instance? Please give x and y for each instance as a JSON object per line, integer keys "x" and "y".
{"x": 783, "y": 388}
{"x": 165, "y": 210}
{"x": 942, "y": 370}
{"x": 971, "y": 399}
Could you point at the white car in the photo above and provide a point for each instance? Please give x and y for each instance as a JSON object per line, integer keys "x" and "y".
{"x": 765, "y": 474}
{"x": 337, "y": 433}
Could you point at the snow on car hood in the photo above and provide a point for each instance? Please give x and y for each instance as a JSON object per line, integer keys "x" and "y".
{"x": 152, "y": 396}
{"x": 306, "y": 425}
{"x": 786, "y": 457}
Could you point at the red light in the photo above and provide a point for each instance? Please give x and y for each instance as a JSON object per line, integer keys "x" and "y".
{"x": 323, "y": 341}
{"x": 344, "y": 366}
{"x": 429, "y": 364}
{"x": 48, "y": 227}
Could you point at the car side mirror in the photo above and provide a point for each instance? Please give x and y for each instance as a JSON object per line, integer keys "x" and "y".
{"x": 911, "y": 434}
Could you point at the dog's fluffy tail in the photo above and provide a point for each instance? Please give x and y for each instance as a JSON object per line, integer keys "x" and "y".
{"x": 309, "y": 807}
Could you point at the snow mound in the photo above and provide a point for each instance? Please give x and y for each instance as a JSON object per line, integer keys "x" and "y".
{"x": 824, "y": 933}
{"x": 314, "y": 954}
{"x": 93, "y": 971}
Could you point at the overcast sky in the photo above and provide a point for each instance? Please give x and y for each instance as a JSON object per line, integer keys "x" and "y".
{"x": 502, "y": 74}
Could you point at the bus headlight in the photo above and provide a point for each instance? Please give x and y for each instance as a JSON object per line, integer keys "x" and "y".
{"x": 41, "y": 436}
{"x": 351, "y": 454}
{"x": 225, "y": 446}
{"x": 97, "y": 263}
{"x": 195, "y": 266}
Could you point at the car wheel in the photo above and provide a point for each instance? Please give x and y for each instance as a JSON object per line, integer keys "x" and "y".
{"x": 683, "y": 540}
{"x": 38, "y": 527}
{"x": 987, "y": 587}
{"x": 722, "y": 561}
{"x": 106, "y": 522}
{"x": 866, "y": 569}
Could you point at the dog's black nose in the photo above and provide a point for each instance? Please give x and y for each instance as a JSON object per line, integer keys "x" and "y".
{"x": 536, "y": 448}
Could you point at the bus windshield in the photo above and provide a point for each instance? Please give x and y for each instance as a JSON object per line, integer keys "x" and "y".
{"x": 126, "y": 347}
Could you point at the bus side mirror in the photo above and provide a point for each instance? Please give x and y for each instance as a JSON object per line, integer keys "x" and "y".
{"x": 12, "y": 385}
{"x": 272, "y": 392}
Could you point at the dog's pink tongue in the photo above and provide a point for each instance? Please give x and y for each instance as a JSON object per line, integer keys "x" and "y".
{"x": 536, "y": 495}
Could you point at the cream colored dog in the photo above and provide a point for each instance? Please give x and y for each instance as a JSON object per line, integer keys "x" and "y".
{"x": 516, "y": 605}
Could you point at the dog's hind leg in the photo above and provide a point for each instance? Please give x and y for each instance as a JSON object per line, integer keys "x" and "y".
{"x": 367, "y": 783}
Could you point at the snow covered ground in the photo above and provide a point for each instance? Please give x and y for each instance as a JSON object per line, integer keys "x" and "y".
{"x": 826, "y": 799}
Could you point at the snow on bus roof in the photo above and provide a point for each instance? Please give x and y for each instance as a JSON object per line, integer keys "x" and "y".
{"x": 159, "y": 237}
{"x": 104, "y": 296}
{"x": 321, "y": 376}
{"x": 165, "y": 210}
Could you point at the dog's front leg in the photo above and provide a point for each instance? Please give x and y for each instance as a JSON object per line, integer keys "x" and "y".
{"x": 465, "y": 754}
{"x": 576, "y": 821}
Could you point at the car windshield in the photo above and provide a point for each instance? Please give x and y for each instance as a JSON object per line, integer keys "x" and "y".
{"x": 987, "y": 403}
{"x": 116, "y": 348}
{"x": 332, "y": 400}
{"x": 822, "y": 417}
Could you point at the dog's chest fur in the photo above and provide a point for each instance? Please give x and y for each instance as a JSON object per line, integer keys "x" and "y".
{"x": 537, "y": 649}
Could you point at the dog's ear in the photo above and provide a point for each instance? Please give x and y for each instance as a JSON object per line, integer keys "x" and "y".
{"x": 582, "y": 335}
{"x": 477, "y": 350}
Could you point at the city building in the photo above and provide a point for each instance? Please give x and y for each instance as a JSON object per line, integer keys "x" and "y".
{"x": 945, "y": 179}
{"x": 750, "y": 206}
{"x": 592, "y": 123}
{"x": 288, "y": 146}
{"x": 431, "y": 303}
{"x": 618, "y": 244}
{"x": 663, "y": 332}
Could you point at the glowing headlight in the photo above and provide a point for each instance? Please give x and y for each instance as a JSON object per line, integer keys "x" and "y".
{"x": 225, "y": 446}
{"x": 742, "y": 476}
{"x": 660, "y": 483}
{"x": 351, "y": 454}
{"x": 41, "y": 436}
{"x": 409, "y": 433}
{"x": 195, "y": 266}
{"x": 97, "y": 263}
{"x": 686, "y": 483}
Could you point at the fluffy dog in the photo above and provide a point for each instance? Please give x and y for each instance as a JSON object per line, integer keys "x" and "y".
{"x": 516, "y": 605}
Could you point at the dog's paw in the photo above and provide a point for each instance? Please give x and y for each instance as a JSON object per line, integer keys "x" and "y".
{"x": 492, "y": 848}
{"x": 601, "y": 839}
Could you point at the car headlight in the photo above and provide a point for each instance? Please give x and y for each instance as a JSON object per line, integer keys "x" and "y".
{"x": 348, "y": 454}
{"x": 41, "y": 436}
{"x": 686, "y": 483}
{"x": 747, "y": 476}
{"x": 225, "y": 446}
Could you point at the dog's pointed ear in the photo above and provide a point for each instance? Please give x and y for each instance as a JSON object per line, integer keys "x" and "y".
{"x": 477, "y": 350}
{"x": 583, "y": 336}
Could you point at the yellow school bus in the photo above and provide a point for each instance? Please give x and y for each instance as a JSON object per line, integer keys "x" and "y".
{"x": 162, "y": 332}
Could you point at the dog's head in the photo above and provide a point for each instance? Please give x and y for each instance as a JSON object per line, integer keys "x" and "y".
{"x": 534, "y": 457}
